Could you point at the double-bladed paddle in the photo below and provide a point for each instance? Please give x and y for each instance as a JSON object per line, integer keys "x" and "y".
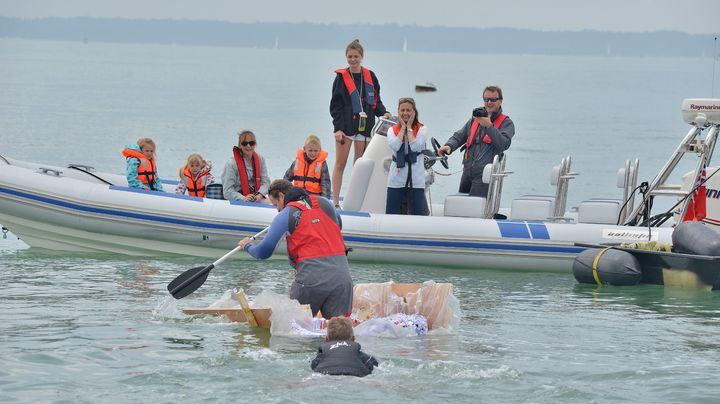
{"x": 190, "y": 280}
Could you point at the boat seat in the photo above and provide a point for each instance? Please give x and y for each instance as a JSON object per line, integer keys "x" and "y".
{"x": 532, "y": 207}
{"x": 601, "y": 211}
{"x": 464, "y": 205}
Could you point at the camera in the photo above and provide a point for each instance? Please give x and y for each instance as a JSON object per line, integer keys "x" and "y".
{"x": 480, "y": 112}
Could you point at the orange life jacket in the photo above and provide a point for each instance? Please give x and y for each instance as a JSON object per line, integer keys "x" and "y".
{"x": 316, "y": 235}
{"x": 474, "y": 129}
{"x": 147, "y": 170}
{"x": 240, "y": 161}
{"x": 415, "y": 128}
{"x": 195, "y": 186}
{"x": 370, "y": 95}
{"x": 308, "y": 175}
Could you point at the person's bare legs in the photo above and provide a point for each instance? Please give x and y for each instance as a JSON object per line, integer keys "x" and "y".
{"x": 342, "y": 151}
{"x": 360, "y": 146}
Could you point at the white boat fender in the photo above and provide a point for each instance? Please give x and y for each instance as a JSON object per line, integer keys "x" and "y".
{"x": 607, "y": 266}
{"x": 696, "y": 238}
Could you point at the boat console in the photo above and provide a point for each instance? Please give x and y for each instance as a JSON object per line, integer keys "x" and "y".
{"x": 701, "y": 112}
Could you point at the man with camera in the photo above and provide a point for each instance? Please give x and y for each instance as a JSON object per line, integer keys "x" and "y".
{"x": 488, "y": 133}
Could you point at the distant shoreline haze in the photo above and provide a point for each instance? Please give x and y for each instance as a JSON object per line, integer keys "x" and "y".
{"x": 388, "y": 37}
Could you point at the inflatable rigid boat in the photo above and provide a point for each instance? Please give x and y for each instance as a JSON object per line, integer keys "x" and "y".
{"x": 75, "y": 208}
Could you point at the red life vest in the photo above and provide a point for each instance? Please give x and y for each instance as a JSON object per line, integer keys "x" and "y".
{"x": 370, "y": 95}
{"x": 415, "y": 128}
{"x": 147, "y": 170}
{"x": 474, "y": 129}
{"x": 195, "y": 186}
{"x": 308, "y": 175}
{"x": 240, "y": 161}
{"x": 316, "y": 235}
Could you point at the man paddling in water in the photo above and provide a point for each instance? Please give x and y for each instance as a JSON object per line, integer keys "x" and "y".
{"x": 315, "y": 248}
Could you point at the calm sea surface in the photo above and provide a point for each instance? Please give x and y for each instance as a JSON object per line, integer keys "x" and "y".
{"x": 102, "y": 328}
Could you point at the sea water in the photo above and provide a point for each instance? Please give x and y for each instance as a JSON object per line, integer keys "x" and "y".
{"x": 102, "y": 327}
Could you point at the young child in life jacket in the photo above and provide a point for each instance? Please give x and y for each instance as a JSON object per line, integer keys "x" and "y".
{"x": 194, "y": 176}
{"x": 310, "y": 170}
{"x": 141, "y": 166}
{"x": 340, "y": 354}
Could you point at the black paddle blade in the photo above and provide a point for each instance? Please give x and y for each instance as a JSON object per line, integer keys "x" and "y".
{"x": 189, "y": 281}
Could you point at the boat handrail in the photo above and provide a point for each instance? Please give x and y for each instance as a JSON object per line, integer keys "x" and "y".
{"x": 691, "y": 143}
{"x": 49, "y": 171}
{"x": 562, "y": 181}
{"x": 667, "y": 192}
{"x": 495, "y": 183}
{"x": 87, "y": 170}
{"x": 629, "y": 176}
{"x": 81, "y": 166}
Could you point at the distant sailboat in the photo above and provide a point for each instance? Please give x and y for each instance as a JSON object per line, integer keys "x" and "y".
{"x": 404, "y": 48}
{"x": 609, "y": 50}
{"x": 277, "y": 42}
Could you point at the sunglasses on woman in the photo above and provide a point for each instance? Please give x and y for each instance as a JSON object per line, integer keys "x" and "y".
{"x": 248, "y": 142}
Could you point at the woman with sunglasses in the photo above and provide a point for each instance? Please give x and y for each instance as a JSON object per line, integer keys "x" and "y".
{"x": 354, "y": 104}
{"x": 406, "y": 179}
{"x": 486, "y": 134}
{"x": 245, "y": 177}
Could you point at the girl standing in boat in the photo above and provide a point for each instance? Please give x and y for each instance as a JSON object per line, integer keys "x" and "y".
{"x": 354, "y": 105}
{"x": 406, "y": 179}
{"x": 141, "y": 165}
{"x": 245, "y": 177}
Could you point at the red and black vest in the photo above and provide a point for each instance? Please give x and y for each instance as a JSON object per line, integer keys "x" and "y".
{"x": 316, "y": 235}
{"x": 308, "y": 175}
{"x": 353, "y": 91}
{"x": 240, "y": 161}
{"x": 195, "y": 185}
{"x": 474, "y": 130}
{"x": 147, "y": 170}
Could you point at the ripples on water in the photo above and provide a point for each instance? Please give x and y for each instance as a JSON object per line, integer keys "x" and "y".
{"x": 99, "y": 327}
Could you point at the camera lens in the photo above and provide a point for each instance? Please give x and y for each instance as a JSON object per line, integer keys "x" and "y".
{"x": 480, "y": 112}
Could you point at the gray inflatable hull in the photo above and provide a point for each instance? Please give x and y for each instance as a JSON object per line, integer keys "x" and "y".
{"x": 615, "y": 267}
{"x": 696, "y": 238}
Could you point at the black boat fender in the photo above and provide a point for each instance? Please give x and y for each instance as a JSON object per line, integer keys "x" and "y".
{"x": 607, "y": 266}
{"x": 696, "y": 238}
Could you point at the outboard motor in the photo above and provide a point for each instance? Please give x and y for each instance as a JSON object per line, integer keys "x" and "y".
{"x": 607, "y": 266}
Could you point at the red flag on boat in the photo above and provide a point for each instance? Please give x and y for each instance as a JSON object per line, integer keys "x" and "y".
{"x": 696, "y": 207}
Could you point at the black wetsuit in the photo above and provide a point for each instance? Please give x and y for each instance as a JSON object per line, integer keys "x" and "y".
{"x": 343, "y": 358}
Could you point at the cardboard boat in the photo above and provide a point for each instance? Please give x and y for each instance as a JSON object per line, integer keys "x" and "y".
{"x": 434, "y": 301}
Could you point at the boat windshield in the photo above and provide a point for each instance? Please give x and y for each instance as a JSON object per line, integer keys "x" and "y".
{"x": 382, "y": 126}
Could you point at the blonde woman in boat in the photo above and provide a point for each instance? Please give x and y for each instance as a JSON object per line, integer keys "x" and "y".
{"x": 245, "y": 177}
{"x": 354, "y": 104}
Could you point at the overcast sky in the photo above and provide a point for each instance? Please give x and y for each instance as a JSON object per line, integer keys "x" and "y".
{"x": 696, "y": 16}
